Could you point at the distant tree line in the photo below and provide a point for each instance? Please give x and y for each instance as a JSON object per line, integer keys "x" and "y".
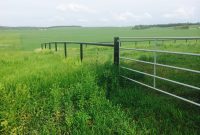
{"x": 174, "y": 25}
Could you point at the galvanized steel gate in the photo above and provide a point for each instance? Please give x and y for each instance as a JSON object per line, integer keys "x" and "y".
{"x": 135, "y": 40}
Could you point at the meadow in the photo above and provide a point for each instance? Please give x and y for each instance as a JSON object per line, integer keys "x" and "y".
{"x": 41, "y": 92}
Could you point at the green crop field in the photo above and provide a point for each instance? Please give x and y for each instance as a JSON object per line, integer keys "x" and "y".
{"x": 41, "y": 92}
{"x": 29, "y": 39}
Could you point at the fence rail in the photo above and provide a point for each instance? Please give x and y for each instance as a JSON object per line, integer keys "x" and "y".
{"x": 160, "y": 38}
{"x": 85, "y": 43}
{"x": 116, "y": 45}
{"x": 65, "y": 43}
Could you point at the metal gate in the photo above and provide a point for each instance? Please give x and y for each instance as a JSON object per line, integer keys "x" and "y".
{"x": 154, "y": 45}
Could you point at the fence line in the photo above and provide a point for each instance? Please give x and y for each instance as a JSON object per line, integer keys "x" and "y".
{"x": 116, "y": 45}
{"x": 65, "y": 43}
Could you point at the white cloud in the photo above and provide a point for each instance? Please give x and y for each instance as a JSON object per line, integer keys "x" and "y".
{"x": 104, "y": 20}
{"x": 83, "y": 20}
{"x": 147, "y": 15}
{"x": 73, "y": 7}
{"x": 59, "y": 18}
{"x": 97, "y": 12}
{"x": 181, "y": 13}
{"x": 129, "y": 16}
{"x": 126, "y": 16}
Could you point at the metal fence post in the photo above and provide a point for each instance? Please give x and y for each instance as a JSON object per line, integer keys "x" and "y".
{"x": 65, "y": 49}
{"x": 116, "y": 51}
{"x": 81, "y": 52}
{"x": 56, "y": 49}
{"x": 50, "y": 46}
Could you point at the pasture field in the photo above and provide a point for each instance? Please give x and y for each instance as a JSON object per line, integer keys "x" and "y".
{"x": 29, "y": 39}
{"x": 41, "y": 92}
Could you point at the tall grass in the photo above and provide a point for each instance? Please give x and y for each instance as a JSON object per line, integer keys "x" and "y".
{"x": 45, "y": 94}
{"x": 42, "y": 93}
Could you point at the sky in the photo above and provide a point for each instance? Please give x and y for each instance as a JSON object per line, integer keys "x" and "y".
{"x": 97, "y": 12}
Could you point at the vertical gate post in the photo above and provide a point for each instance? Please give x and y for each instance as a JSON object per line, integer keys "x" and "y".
{"x": 81, "y": 52}
{"x": 154, "y": 64}
{"x": 116, "y": 51}
{"x": 65, "y": 49}
{"x": 56, "y": 49}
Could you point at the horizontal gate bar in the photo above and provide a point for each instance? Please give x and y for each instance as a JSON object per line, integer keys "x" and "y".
{"x": 155, "y": 38}
{"x": 183, "y": 84}
{"x": 159, "y": 51}
{"x": 167, "y": 93}
{"x": 174, "y": 67}
{"x": 146, "y": 40}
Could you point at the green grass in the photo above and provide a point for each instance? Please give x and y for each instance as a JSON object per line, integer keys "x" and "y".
{"x": 29, "y": 39}
{"x": 43, "y": 93}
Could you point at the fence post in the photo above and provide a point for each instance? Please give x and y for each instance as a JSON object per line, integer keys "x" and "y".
{"x": 42, "y": 46}
{"x": 116, "y": 51}
{"x": 50, "y": 46}
{"x": 45, "y": 46}
{"x": 65, "y": 49}
{"x": 56, "y": 49}
{"x": 81, "y": 52}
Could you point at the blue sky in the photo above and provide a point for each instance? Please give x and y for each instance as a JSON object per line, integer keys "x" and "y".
{"x": 97, "y": 12}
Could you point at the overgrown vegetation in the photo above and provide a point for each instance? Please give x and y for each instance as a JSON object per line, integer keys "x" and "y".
{"x": 43, "y": 93}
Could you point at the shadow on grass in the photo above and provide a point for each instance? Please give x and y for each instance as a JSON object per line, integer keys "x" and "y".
{"x": 153, "y": 112}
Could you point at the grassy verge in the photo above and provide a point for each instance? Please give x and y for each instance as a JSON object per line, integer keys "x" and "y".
{"x": 45, "y": 94}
